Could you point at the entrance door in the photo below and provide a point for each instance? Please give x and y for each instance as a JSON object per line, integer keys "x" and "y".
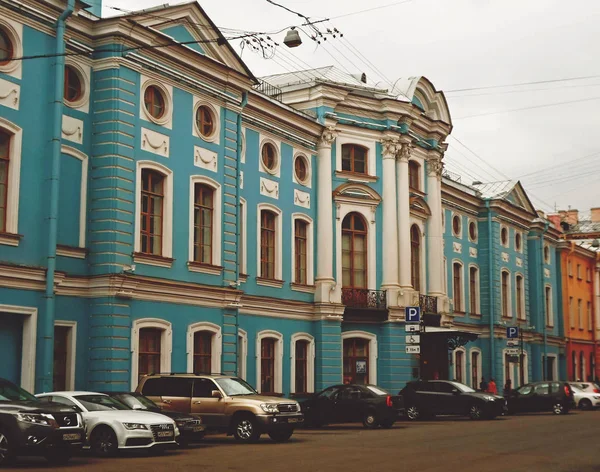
{"x": 11, "y": 346}
{"x": 434, "y": 358}
{"x": 61, "y": 357}
{"x": 356, "y": 361}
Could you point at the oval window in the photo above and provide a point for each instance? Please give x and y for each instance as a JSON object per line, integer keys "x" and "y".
{"x": 154, "y": 101}
{"x": 473, "y": 231}
{"x": 205, "y": 121}
{"x": 301, "y": 169}
{"x": 6, "y": 48}
{"x": 269, "y": 157}
{"x": 504, "y": 236}
{"x": 456, "y": 225}
{"x": 73, "y": 85}
{"x": 518, "y": 241}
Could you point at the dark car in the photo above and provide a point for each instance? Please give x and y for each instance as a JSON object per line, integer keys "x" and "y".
{"x": 190, "y": 426}
{"x": 427, "y": 398}
{"x": 556, "y": 397}
{"x": 30, "y": 427}
{"x": 369, "y": 404}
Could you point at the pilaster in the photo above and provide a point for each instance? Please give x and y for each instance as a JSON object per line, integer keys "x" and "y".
{"x": 403, "y": 209}
{"x": 328, "y": 356}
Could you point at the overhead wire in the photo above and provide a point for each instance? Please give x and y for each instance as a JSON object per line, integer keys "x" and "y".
{"x": 521, "y": 84}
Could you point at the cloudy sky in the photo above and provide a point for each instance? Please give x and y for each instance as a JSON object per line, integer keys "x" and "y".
{"x": 544, "y": 133}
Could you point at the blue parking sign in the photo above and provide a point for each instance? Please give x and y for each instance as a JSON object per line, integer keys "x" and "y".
{"x": 512, "y": 332}
{"x": 412, "y": 314}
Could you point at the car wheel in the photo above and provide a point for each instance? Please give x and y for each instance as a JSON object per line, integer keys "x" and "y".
{"x": 476, "y": 412}
{"x": 6, "y": 449}
{"x": 281, "y": 435}
{"x": 369, "y": 420}
{"x": 387, "y": 424}
{"x": 103, "y": 442}
{"x": 413, "y": 413}
{"x": 585, "y": 404}
{"x": 58, "y": 456}
{"x": 245, "y": 429}
{"x": 559, "y": 409}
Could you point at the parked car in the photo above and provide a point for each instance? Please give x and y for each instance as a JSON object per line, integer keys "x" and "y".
{"x": 112, "y": 426}
{"x": 29, "y": 427}
{"x": 190, "y": 426}
{"x": 369, "y": 404}
{"x": 226, "y": 404}
{"x": 427, "y": 398}
{"x": 542, "y": 396}
{"x": 586, "y": 395}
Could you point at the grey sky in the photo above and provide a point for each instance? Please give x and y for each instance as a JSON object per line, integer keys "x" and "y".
{"x": 461, "y": 44}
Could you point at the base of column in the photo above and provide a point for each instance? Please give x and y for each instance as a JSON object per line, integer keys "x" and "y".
{"x": 391, "y": 295}
{"x": 408, "y": 297}
{"x": 325, "y": 291}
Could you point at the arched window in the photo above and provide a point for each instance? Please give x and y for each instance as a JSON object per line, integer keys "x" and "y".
{"x": 203, "y": 223}
{"x": 354, "y": 251}
{"x": 473, "y": 290}
{"x": 73, "y": 88}
{"x": 151, "y": 231}
{"x": 300, "y": 251}
{"x": 301, "y": 366}
{"x": 520, "y": 298}
{"x": 457, "y": 286}
{"x": 581, "y": 374}
{"x": 505, "y": 294}
{"x": 354, "y": 158}
{"x": 573, "y": 366}
{"x": 267, "y": 365}
{"x": 4, "y": 163}
{"x": 205, "y": 121}
{"x": 415, "y": 257}
{"x": 203, "y": 352}
{"x": 356, "y": 361}
{"x": 302, "y": 373}
{"x": 475, "y": 368}
{"x": 267, "y": 244}
{"x": 414, "y": 175}
{"x": 149, "y": 351}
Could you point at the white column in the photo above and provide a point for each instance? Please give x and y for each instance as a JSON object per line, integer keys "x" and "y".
{"x": 390, "y": 222}
{"x": 435, "y": 242}
{"x": 324, "y": 280}
{"x": 404, "y": 214}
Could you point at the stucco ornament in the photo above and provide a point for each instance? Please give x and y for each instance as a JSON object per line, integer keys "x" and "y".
{"x": 435, "y": 166}
{"x": 328, "y": 136}
{"x": 405, "y": 151}
{"x": 390, "y": 147}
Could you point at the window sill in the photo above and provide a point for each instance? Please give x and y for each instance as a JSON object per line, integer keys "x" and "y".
{"x": 243, "y": 277}
{"x": 10, "y": 239}
{"x": 460, "y": 313}
{"x": 269, "y": 282}
{"x": 506, "y": 317}
{"x": 71, "y": 251}
{"x": 204, "y": 268}
{"x": 151, "y": 259}
{"x": 302, "y": 287}
{"x": 344, "y": 174}
{"x": 476, "y": 315}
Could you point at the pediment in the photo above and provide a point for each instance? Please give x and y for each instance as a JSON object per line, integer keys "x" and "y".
{"x": 356, "y": 192}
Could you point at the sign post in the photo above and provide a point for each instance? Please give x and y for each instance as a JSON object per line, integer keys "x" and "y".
{"x": 412, "y": 315}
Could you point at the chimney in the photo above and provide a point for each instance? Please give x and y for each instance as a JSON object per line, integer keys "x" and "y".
{"x": 363, "y": 78}
{"x": 596, "y": 215}
{"x": 570, "y": 217}
{"x": 555, "y": 220}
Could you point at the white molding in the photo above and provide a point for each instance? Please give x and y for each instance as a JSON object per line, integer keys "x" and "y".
{"x": 549, "y": 310}
{"x": 269, "y": 188}
{"x": 10, "y": 94}
{"x": 464, "y": 366}
{"x": 301, "y": 199}
{"x": 514, "y": 370}
{"x": 29, "y": 343}
{"x": 84, "y": 72}
{"x": 477, "y": 288}
{"x": 167, "y": 119}
{"x": 278, "y": 239}
{"x": 216, "y": 345}
{"x": 243, "y": 350}
{"x": 350, "y": 138}
{"x": 155, "y": 143}
{"x": 166, "y": 345}
{"x": 460, "y": 233}
{"x": 14, "y": 175}
{"x": 278, "y": 377}
{"x": 373, "y": 354}
{"x": 72, "y": 129}
{"x": 503, "y": 226}
{"x": 469, "y": 222}
{"x": 509, "y": 313}
{"x": 70, "y": 151}
{"x": 217, "y": 216}
{"x": 15, "y": 34}
{"x": 276, "y": 172}
{"x": 308, "y": 161}
{"x": 206, "y": 159}
{"x": 462, "y": 307}
{"x": 522, "y": 301}
{"x": 214, "y": 137}
{"x": 243, "y": 209}
{"x": 475, "y": 382}
{"x": 167, "y": 237}
{"x": 310, "y": 280}
{"x": 71, "y": 352}
{"x": 310, "y": 367}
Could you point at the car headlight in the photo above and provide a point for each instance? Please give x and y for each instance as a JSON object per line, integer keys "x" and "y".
{"x": 299, "y": 407}
{"x": 489, "y": 398}
{"x": 35, "y": 418}
{"x": 135, "y": 426}
{"x": 270, "y": 407}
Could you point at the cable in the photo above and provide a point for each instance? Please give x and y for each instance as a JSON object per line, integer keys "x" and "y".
{"x": 523, "y": 91}
{"x": 369, "y": 9}
{"x": 540, "y": 179}
{"x": 479, "y": 157}
{"x": 537, "y": 82}
{"x": 563, "y": 178}
{"x": 561, "y": 164}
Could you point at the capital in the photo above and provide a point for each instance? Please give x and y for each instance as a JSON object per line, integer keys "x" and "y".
{"x": 435, "y": 166}
{"x": 390, "y": 147}
{"x": 405, "y": 151}
{"x": 328, "y": 136}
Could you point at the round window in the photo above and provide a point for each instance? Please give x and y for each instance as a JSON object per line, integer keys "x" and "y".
{"x": 205, "y": 121}
{"x": 518, "y": 241}
{"x": 154, "y": 101}
{"x": 473, "y": 231}
{"x": 301, "y": 169}
{"x": 504, "y": 236}
{"x": 73, "y": 85}
{"x": 269, "y": 156}
{"x": 6, "y": 48}
{"x": 456, "y": 225}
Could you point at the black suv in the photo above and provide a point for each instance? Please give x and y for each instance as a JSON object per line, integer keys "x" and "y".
{"x": 30, "y": 427}
{"x": 553, "y": 396}
{"x": 423, "y": 399}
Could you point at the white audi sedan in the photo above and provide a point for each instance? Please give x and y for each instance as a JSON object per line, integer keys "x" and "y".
{"x": 112, "y": 426}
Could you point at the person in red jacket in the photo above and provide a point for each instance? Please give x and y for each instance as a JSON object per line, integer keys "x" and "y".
{"x": 492, "y": 389}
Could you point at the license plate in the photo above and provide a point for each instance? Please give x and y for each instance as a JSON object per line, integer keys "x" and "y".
{"x": 72, "y": 437}
{"x": 197, "y": 429}
{"x": 164, "y": 434}
{"x": 292, "y": 420}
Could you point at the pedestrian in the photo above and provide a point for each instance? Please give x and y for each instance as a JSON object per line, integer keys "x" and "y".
{"x": 492, "y": 389}
{"x": 507, "y": 388}
{"x": 483, "y": 385}
{"x": 436, "y": 375}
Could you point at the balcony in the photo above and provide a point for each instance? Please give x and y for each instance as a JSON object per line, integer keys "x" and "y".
{"x": 428, "y": 304}
{"x": 364, "y": 298}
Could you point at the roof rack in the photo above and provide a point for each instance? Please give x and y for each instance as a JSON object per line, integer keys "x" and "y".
{"x": 184, "y": 373}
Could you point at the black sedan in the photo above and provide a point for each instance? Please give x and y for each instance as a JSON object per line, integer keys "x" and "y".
{"x": 190, "y": 426}
{"x": 368, "y": 404}
{"x": 425, "y": 399}
{"x": 556, "y": 397}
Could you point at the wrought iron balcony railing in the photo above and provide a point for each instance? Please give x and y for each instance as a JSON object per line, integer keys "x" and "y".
{"x": 428, "y": 304}
{"x": 364, "y": 298}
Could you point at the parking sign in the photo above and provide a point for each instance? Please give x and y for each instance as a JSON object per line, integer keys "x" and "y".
{"x": 413, "y": 314}
{"x": 512, "y": 332}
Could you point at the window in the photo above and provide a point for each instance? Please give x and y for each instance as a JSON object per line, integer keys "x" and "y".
{"x": 475, "y": 369}
{"x": 456, "y": 226}
{"x": 61, "y": 357}
{"x": 354, "y": 158}
{"x": 269, "y": 157}
{"x": 149, "y": 351}
{"x": 473, "y": 231}
{"x": 518, "y": 241}
{"x": 267, "y": 370}
{"x": 243, "y": 243}
{"x": 356, "y": 361}
{"x": 301, "y": 367}
{"x": 581, "y": 373}
{"x": 457, "y": 286}
{"x": 300, "y": 251}
{"x": 589, "y": 317}
{"x": 5, "y": 139}
{"x": 203, "y": 223}
{"x": 73, "y": 88}
{"x": 569, "y": 267}
{"x": 573, "y": 366}
{"x": 415, "y": 257}
{"x": 504, "y": 236}
{"x": 205, "y": 121}
{"x": 354, "y": 251}
{"x": 154, "y": 101}
{"x": 546, "y": 255}
{"x": 579, "y": 271}
{"x": 267, "y": 244}
{"x": 548, "y": 300}
{"x": 542, "y": 389}
{"x": 505, "y": 294}
{"x": 592, "y": 367}
{"x": 459, "y": 362}
{"x": 414, "y": 174}
{"x": 301, "y": 169}
{"x": 302, "y": 353}
{"x": 571, "y": 313}
{"x": 242, "y": 353}
{"x": 203, "y": 352}
{"x": 520, "y": 298}
{"x": 473, "y": 290}
{"x": 587, "y": 275}
{"x": 6, "y": 48}
{"x": 203, "y": 388}
{"x": 151, "y": 232}
{"x": 580, "y": 314}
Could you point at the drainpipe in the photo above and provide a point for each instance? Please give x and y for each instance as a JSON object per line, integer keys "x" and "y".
{"x": 543, "y": 303}
{"x": 45, "y": 381}
{"x": 490, "y": 278}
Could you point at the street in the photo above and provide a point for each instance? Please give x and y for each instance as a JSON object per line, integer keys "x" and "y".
{"x": 520, "y": 443}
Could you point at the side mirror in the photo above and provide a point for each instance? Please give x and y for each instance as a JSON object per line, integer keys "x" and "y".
{"x": 456, "y": 391}
{"x": 216, "y": 394}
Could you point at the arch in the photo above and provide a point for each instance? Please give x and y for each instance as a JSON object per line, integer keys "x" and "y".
{"x": 309, "y": 247}
{"x": 505, "y": 293}
{"x": 372, "y": 339}
{"x": 216, "y": 215}
{"x": 278, "y": 239}
{"x": 216, "y": 345}
{"x": 476, "y": 371}
{"x": 419, "y": 207}
{"x": 278, "y": 367}
{"x": 549, "y": 306}
{"x": 310, "y": 371}
{"x": 166, "y": 345}
{"x": 459, "y": 372}
{"x": 513, "y": 369}
{"x": 29, "y": 342}
{"x": 14, "y": 175}
{"x": 71, "y": 151}
{"x": 422, "y": 93}
{"x": 354, "y": 192}
{"x": 415, "y": 256}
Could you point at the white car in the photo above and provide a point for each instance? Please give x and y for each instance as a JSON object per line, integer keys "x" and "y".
{"x": 112, "y": 426}
{"x": 586, "y": 395}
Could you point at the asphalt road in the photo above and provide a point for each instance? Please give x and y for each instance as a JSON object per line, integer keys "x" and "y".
{"x": 540, "y": 442}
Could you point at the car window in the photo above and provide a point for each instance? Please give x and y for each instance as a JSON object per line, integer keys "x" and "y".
{"x": 425, "y": 387}
{"x": 542, "y": 389}
{"x": 554, "y": 387}
{"x": 525, "y": 389}
{"x": 64, "y": 401}
{"x": 100, "y": 403}
{"x": 329, "y": 392}
{"x": 233, "y": 386}
{"x": 168, "y": 387}
{"x": 10, "y": 392}
{"x": 154, "y": 387}
{"x": 443, "y": 387}
{"x": 203, "y": 388}
{"x": 351, "y": 393}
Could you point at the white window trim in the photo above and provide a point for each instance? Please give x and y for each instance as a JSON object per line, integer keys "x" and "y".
{"x": 519, "y": 250}
{"x": 309, "y": 248}
{"x": 555, "y": 367}
{"x": 216, "y": 345}
{"x": 522, "y": 301}
{"x": 278, "y": 239}
{"x": 310, "y": 371}
{"x": 71, "y": 352}
{"x": 166, "y": 345}
{"x": 243, "y": 348}
{"x": 308, "y": 161}
{"x": 458, "y": 235}
{"x": 30, "y": 318}
{"x": 70, "y": 151}
{"x": 243, "y": 209}
{"x": 445, "y": 275}
{"x": 167, "y": 119}
{"x": 548, "y": 259}
{"x": 276, "y": 172}
{"x": 216, "y": 111}
{"x": 216, "y": 223}
{"x": 580, "y": 313}
{"x": 589, "y": 316}
{"x": 15, "y": 33}
{"x": 167, "y": 241}
{"x": 469, "y": 222}
{"x": 464, "y": 366}
{"x": 14, "y": 175}
{"x": 422, "y": 244}
{"x": 373, "y": 354}
{"x": 572, "y": 323}
{"x": 462, "y": 307}
{"x": 509, "y": 314}
{"x": 477, "y": 288}
{"x": 475, "y": 382}
{"x": 517, "y": 374}
{"x": 278, "y": 380}
{"x": 84, "y": 73}
{"x": 549, "y": 310}
{"x": 370, "y": 144}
